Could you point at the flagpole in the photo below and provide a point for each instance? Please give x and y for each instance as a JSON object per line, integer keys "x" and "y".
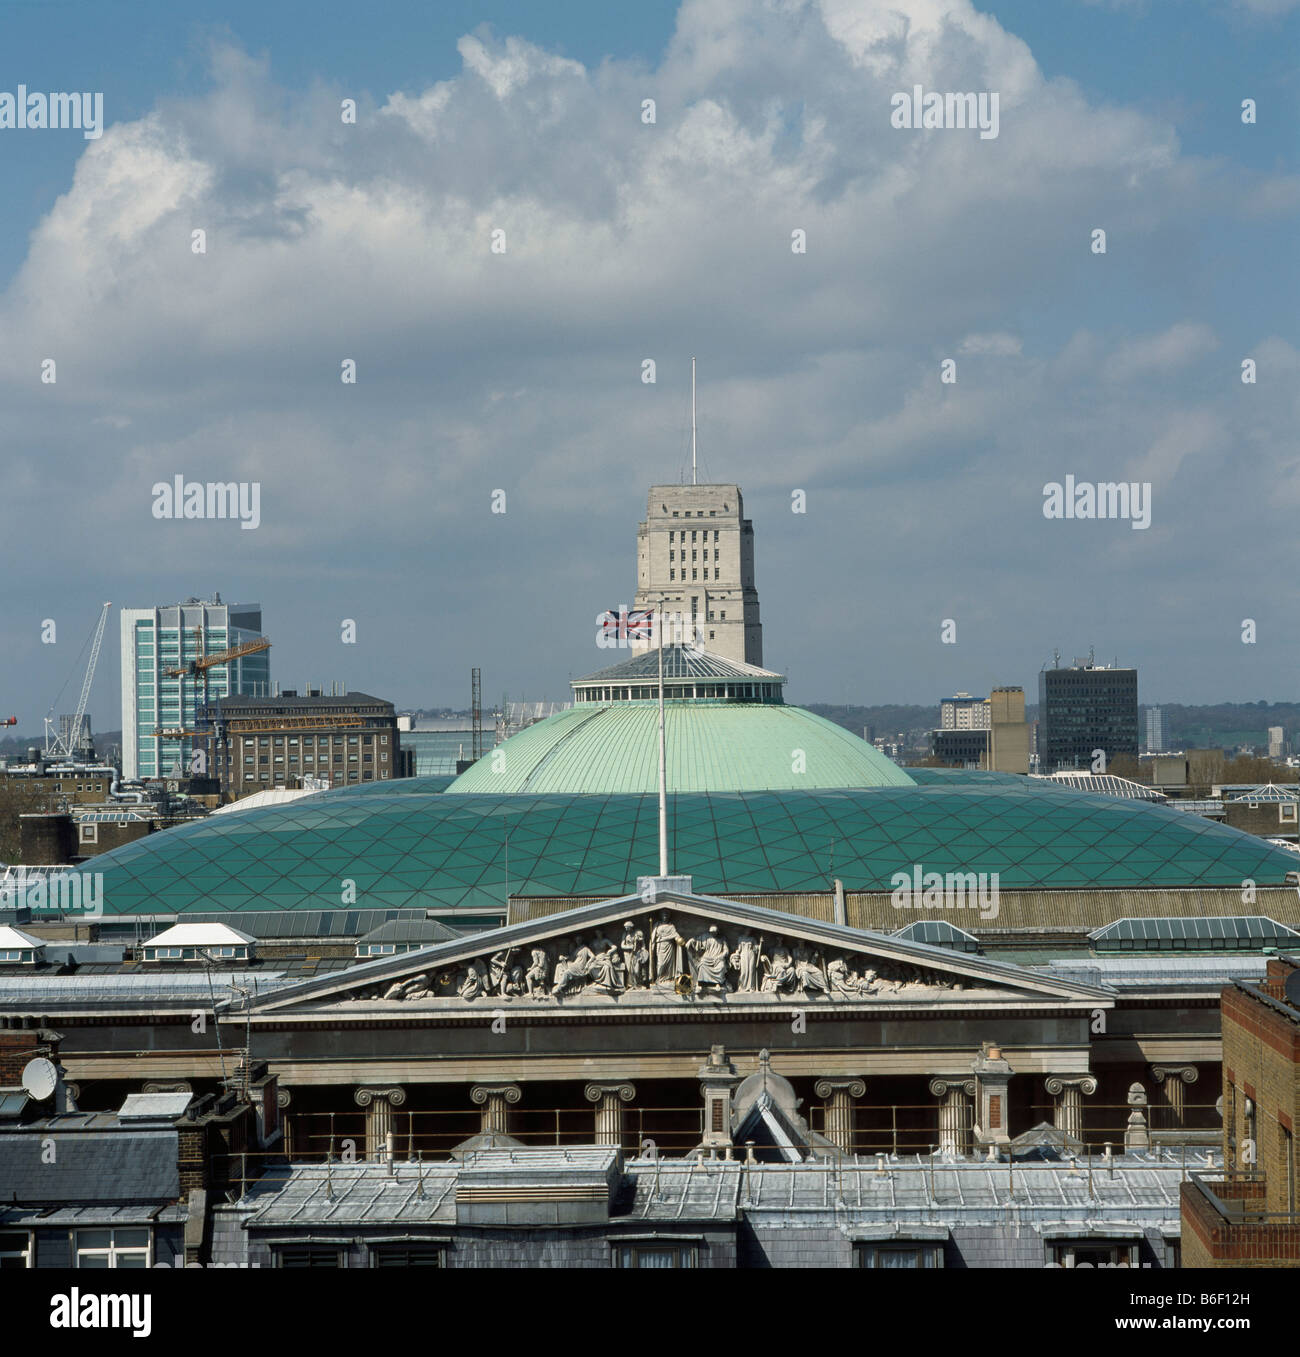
{"x": 693, "y": 480}
{"x": 663, "y": 757}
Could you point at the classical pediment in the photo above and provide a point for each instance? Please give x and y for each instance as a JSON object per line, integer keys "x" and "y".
{"x": 673, "y": 949}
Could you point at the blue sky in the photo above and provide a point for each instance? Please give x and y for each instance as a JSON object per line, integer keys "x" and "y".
{"x": 627, "y": 242}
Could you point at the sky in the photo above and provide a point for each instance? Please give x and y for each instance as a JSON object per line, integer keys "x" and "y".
{"x": 520, "y": 369}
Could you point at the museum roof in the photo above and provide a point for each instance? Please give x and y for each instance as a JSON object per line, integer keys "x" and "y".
{"x": 406, "y": 845}
{"x": 711, "y": 747}
{"x": 682, "y": 663}
{"x": 896, "y": 1197}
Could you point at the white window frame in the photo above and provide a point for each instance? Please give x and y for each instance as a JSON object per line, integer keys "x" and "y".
{"x": 26, "y": 1253}
{"x": 113, "y": 1251}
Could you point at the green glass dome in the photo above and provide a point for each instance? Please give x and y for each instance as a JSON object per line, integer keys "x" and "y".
{"x": 712, "y": 746}
{"x": 408, "y": 844}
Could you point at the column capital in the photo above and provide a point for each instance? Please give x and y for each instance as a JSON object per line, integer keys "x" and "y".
{"x": 940, "y": 1088}
{"x": 363, "y": 1097}
{"x": 855, "y": 1088}
{"x": 1056, "y": 1084}
{"x": 1187, "y": 1073}
{"x": 480, "y": 1093}
{"x": 595, "y": 1092}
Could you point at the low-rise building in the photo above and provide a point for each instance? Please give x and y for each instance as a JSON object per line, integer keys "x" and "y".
{"x": 258, "y": 743}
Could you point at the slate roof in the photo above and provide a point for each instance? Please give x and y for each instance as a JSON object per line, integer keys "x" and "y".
{"x": 422, "y": 931}
{"x": 910, "y": 1198}
{"x": 99, "y": 1162}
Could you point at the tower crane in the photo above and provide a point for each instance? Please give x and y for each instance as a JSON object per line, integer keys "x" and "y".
{"x": 56, "y": 746}
{"x": 199, "y": 668}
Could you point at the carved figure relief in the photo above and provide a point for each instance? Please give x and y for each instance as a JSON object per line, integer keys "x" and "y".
{"x": 653, "y": 956}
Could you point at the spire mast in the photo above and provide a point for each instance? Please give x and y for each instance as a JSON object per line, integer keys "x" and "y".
{"x": 693, "y": 479}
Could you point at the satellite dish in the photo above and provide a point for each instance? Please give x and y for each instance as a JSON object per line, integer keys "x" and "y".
{"x": 40, "y": 1078}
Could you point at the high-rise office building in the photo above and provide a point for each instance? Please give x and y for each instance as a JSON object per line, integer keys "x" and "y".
{"x": 1155, "y": 731}
{"x": 160, "y": 712}
{"x": 1082, "y": 708}
{"x": 1276, "y": 742}
{"x": 695, "y": 551}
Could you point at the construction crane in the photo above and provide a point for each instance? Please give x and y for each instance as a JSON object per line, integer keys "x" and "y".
{"x": 198, "y": 667}
{"x": 56, "y": 745}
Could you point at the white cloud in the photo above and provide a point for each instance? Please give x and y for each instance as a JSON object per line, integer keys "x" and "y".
{"x": 998, "y": 344}
{"x": 625, "y": 241}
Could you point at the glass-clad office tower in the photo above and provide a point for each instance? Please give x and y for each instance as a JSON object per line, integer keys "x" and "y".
{"x": 161, "y": 711}
{"x": 1082, "y": 708}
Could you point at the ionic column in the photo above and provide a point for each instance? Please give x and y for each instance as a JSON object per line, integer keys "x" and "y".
{"x": 609, "y": 1100}
{"x": 1172, "y": 1079}
{"x": 839, "y": 1095}
{"x": 956, "y": 1096}
{"x": 379, "y": 1104}
{"x": 495, "y": 1100}
{"x": 1067, "y": 1092}
{"x": 283, "y": 1097}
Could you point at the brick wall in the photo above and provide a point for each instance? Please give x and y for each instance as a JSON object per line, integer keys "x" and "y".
{"x": 16, "y": 1049}
{"x": 1261, "y": 1061}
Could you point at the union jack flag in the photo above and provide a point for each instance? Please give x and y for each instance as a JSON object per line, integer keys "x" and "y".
{"x": 621, "y": 625}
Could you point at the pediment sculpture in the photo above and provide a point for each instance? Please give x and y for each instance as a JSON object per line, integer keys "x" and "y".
{"x": 668, "y": 954}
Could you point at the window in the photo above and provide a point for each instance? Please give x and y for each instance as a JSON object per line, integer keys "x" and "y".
{"x": 900, "y": 1255}
{"x": 112, "y": 1248}
{"x": 308, "y": 1255}
{"x": 408, "y": 1255}
{"x": 1286, "y": 812}
{"x": 89, "y": 833}
{"x": 1091, "y": 1253}
{"x": 656, "y": 1255}
{"x": 674, "y": 513}
{"x": 15, "y": 1249}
